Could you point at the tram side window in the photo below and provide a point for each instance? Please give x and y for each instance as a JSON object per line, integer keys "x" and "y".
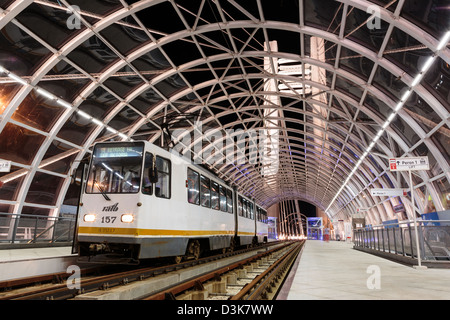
{"x": 229, "y": 201}
{"x": 205, "y": 195}
{"x": 193, "y": 186}
{"x": 240, "y": 211}
{"x": 250, "y": 210}
{"x": 214, "y": 195}
{"x": 244, "y": 208}
{"x": 162, "y": 187}
{"x": 223, "y": 198}
{"x": 147, "y": 186}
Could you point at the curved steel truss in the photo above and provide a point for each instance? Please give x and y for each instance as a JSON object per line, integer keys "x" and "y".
{"x": 315, "y": 96}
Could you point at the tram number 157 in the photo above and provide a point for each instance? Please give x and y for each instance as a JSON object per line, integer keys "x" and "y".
{"x": 108, "y": 219}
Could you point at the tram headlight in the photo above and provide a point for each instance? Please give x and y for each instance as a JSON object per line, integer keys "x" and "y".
{"x": 127, "y": 218}
{"x": 89, "y": 217}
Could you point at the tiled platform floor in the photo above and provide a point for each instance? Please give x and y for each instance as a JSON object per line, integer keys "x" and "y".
{"x": 335, "y": 271}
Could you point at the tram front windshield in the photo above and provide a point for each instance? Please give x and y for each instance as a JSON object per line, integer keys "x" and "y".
{"x": 115, "y": 168}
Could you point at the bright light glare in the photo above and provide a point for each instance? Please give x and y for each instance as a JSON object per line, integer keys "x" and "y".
{"x": 127, "y": 218}
{"x": 45, "y": 93}
{"x": 427, "y": 64}
{"x": 417, "y": 80}
{"x": 89, "y": 218}
{"x": 406, "y": 95}
{"x": 444, "y": 41}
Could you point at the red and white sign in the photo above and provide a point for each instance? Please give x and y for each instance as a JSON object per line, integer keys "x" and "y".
{"x": 410, "y": 163}
{"x": 392, "y": 164}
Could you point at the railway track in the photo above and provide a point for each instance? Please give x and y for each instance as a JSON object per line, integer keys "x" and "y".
{"x": 256, "y": 278}
{"x": 107, "y": 286}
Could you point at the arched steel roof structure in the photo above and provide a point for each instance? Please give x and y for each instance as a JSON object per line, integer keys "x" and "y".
{"x": 371, "y": 82}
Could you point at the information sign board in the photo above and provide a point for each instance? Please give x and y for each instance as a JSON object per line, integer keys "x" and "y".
{"x": 410, "y": 163}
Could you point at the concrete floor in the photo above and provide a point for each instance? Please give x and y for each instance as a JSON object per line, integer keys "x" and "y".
{"x": 23, "y": 263}
{"x": 335, "y": 271}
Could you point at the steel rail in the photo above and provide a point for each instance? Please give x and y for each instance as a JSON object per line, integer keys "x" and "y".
{"x": 262, "y": 287}
{"x": 197, "y": 282}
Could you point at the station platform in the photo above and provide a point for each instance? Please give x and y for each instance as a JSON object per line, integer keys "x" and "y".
{"x": 335, "y": 271}
{"x": 29, "y": 262}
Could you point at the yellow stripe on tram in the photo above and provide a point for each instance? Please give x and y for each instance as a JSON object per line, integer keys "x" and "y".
{"x": 154, "y": 232}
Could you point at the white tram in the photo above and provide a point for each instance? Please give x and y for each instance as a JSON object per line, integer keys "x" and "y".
{"x": 141, "y": 201}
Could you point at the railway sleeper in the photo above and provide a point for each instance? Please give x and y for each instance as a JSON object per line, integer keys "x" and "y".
{"x": 214, "y": 287}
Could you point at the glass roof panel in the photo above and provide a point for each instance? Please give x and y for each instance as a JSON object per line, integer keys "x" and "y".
{"x": 58, "y": 157}
{"x": 20, "y": 53}
{"x": 48, "y": 23}
{"x": 356, "y": 29}
{"x": 93, "y": 55}
{"x": 38, "y": 112}
{"x": 441, "y": 138}
{"x": 19, "y": 144}
{"x": 329, "y": 20}
{"x": 349, "y": 87}
{"x": 419, "y": 110}
{"x": 44, "y": 189}
{"x": 437, "y": 81}
{"x": 389, "y": 84}
{"x": 10, "y": 189}
{"x": 101, "y": 8}
{"x": 432, "y": 16}
{"x": 355, "y": 63}
{"x": 376, "y": 105}
{"x": 406, "y": 52}
{"x": 76, "y": 129}
{"x": 7, "y": 92}
{"x": 407, "y": 134}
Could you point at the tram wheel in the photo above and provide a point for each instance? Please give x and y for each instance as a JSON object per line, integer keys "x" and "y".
{"x": 193, "y": 251}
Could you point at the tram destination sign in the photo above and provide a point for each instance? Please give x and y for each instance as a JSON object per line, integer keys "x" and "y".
{"x": 411, "y": 163}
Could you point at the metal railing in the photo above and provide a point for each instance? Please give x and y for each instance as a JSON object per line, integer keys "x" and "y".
{"x": 23, "y": 228}
{"x": 400, "y": 239}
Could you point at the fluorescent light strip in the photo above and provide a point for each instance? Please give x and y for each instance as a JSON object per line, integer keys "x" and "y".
{"x": 17, "y": 79}
{"x": 417, "y": 79}
{"x": 428, "y": 64}
{"x": 97, "y": 122}
{"x": 63, "y": 103}
{"x": 111, "y": 129}
{"x": 391, "y": 117}
{"x": 444, "y": 41}
{"x": 406, "y": 95}
{"x": 84, "y": 114}
{"x": 45, "y": 93}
